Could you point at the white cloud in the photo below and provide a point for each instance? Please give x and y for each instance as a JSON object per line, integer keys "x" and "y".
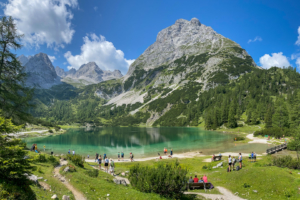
{"x": 52, "y": 58}
{"x": 95, "y": 8}
{"x": 103, "y": 53}
{"x": 65, "y": 63}
{"x": 43, "y": 21}
{"x": 277, "y": 59}
{"x": 298, "y": 40}
{"x": 257, "y": 38}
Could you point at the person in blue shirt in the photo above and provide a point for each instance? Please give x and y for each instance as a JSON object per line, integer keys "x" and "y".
{"x": 171, "y": 153}
{"x": 69, "y": 151}
{"x": 201, "y": 180}
{"x": 122, "y": 155}
{"x": 252, "y": 155}
{"x": 104, "y": 156}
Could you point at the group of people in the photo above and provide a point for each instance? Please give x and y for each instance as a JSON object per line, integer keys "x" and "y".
{"x": 233, "y": 160}
{"x": 252, "y": 157}
{"x": 166, "y": 152}
{"x": 34, "y": 148}
{"x": 73, "y": 152}
{"x": 107, "y": 162}
{"x": 197, "y": 180}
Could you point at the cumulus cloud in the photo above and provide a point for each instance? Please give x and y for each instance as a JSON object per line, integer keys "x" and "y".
{"x": 52, "y": 58}
{"x": 103, "y": 53}
{"x": 43, "y": 21}
{"x": 257, "y": 38}
{"x": 276, "y": 59}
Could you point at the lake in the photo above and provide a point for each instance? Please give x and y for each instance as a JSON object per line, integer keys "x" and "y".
{"x": 143, "y": 142}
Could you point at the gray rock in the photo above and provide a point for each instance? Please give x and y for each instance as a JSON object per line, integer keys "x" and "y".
{"x": 65, "y": 197}
{"x": 22, "y": 59}
{"x": 60, "y": 72}
{"x": 120, "y": 181}
{"x": 66, "y": 169}
{"x": 40, "y": 71}
{"x": 255, "y": 191}
{"x": 54, "y": 197}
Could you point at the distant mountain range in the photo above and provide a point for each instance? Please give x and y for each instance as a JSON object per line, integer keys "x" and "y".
{"x": 42, "y": 74}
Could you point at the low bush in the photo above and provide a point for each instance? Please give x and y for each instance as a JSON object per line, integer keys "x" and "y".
{"x": 76, "y": 159}
{"x": 167, "y": 180}
{"x": 275, "y": 132}
{"x": 40, "y": 158}
{"x": 239, "y": 138}
{"x": 286, "y": 161}
{"x": 53, "y": 161}
{"x": 92, "y": 173}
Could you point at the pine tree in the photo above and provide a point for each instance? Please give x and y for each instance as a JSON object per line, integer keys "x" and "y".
{"x": 14, "y": 97}
{"x": 280, "y": 117}
{"x": 231, "y": 116}
{"x": 295, "y": 112}
{"x": 268, "y": 117}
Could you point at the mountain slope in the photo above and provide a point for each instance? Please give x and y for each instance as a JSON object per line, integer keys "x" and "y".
{"x": 186, "y": 60}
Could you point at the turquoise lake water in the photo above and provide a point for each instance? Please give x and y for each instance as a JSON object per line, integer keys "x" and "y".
{"x": 142, "y": 142}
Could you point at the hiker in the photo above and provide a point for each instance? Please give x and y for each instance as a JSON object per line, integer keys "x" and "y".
{"x": 213, "y": 157}
{"x": 36, "y": 149}
{"x": 252, "y": 155}
{"x": 220, "y": 154}
{"x": 69, "y": 151}
{"x": 201, "y": 180}
{"x": 73, "y": 152}
{"x": 204, "y": 178}
{"x": 240, "y": 160}
{"x": 32, "y": 147}
{"x": 229, "y": 163}
{"x": 96, "y": 158}
{"x": 99, "y": 162}
{"x": 233, "y": 162}
{"x": 118, "y": 156}
{"x": 165, "y": 151}
{"x": 191, "y": 180}
{"x": 106, "y": 164}
{"x": 112, "y": 166}
{"x": 104, "y": 155}
{"x": 88, "y": 156}
{"x": 171, "y": 153}
{"x": 44, "y": 147}
{"x": 196, "y": 179}
{"x": 122, "y": 156}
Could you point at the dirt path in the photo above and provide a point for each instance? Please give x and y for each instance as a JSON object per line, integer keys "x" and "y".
{"x": 115, "y": 176}
{"x": 226, "y": 195}
{"x": 256, "y": 140}
{"x": 78, "y": 195}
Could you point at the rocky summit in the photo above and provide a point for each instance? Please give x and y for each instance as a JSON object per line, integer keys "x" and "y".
{"x": 41, "y": 73}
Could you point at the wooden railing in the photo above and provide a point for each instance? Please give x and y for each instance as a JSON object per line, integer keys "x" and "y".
{"x": 276, "y": 148}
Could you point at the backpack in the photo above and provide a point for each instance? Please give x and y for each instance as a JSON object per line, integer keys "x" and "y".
{"x": 237, "y": 168}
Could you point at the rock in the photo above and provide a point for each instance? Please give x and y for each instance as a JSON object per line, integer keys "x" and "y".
{"x": 255, "y": 191}
{"x": 40, "y": 178}
{"x": 45, "y": 180}
{"x": 26, "y": 157}
{"x": 66, "y": 169}
{"x": 40, "y": 72}
{"x": 65, "y": 197}
{"x": 108, "y": 195}
{"x": 120, "y": 181}
{"x": 32, "y": 178}
{"x": 54, "y": 197}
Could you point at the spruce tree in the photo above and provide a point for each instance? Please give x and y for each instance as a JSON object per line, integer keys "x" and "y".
{"x": 14, "y": 97}
{"x": 268, "y": 117}
{"x": 295, "y": 112}
{"x": 231, "y": 116}
{"x": 280, "y": 117}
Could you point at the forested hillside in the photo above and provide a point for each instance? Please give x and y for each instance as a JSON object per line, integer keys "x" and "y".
{"x": 271, "y": 96}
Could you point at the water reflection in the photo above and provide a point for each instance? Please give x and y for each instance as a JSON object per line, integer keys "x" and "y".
{"x": 141, "y": 141}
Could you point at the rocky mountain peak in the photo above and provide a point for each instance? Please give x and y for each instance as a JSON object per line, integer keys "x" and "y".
{"x": 22, "y": 59}
{"x": 41, "y": 72}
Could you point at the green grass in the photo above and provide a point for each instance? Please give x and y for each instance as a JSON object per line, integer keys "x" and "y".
{"x": 270, "y": 182}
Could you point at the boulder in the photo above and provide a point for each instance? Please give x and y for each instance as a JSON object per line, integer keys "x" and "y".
{"x": 54, "y": 197}
{"x": 66, "y": 169}
{"x": 65, "y": 197}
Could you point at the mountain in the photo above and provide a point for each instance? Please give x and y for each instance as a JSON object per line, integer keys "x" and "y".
{"x": 41, "y": 73}
{"x": 23, "y": 59}
{"x": 87, "y": 74}
{"x": 165, "y": 82}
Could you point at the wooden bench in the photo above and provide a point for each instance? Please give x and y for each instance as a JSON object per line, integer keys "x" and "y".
{"x": 216, "y": 158}
{"x": 198, "y": 186}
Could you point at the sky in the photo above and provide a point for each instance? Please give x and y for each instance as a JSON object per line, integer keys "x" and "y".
{"x": 113, "y": 33}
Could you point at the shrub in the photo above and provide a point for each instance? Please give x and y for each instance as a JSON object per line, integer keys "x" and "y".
{"x": 286, "y": 161}
{"x": 239, "y": 138}
{"x": 76, "y": 159}
{"x": 53, "y": 161}
{"x": 40, "y": 158}
{"x": 92, "y": 173}
{"x": 204, "y": 167}
{"x": 246, "y": 185}
{"x": 50, "y": 131}
{"x": 167, "y": 180}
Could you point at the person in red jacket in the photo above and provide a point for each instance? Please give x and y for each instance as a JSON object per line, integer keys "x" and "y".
{"x": 196, "y": 179}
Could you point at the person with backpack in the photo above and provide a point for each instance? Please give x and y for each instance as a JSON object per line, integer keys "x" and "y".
{"x": 118, "y": 156}
{"x": 229, "y": 163}
{"x": 100, "y": 161}
{"x": 233, "y": 162}
{"x": 104, "y": 155}
{"x": 96, "y": 158}
{"x": 122, "y": 156}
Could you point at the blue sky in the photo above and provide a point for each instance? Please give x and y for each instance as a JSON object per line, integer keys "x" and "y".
{"x": 115, "y": 32}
